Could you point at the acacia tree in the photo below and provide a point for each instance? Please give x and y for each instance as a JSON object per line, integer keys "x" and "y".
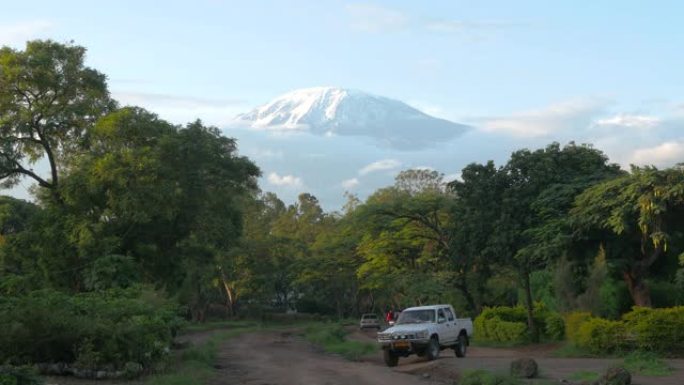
{"x": 48, "y": 99}
{"x": 637, "y": 216}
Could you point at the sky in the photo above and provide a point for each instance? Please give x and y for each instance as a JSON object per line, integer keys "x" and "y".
{"x": 522, "y": 74}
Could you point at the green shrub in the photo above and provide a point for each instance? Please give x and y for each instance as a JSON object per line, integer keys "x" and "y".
{"x": 659, "y": 330}
{"x": 573, "y": 321}
{"x": 89, "y": 329}
{"x": 601, "y": 336}
{"x": 554, "y": 326}
{"x": 509, "y": 324}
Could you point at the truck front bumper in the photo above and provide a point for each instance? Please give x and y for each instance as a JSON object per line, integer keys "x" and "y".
{"x": 405, "y": 347}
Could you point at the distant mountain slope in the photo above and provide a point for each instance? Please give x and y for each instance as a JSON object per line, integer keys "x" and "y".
{"x": 339, "y": 111}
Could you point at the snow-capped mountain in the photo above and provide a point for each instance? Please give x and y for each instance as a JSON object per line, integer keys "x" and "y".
{"x": 338, "y": 111}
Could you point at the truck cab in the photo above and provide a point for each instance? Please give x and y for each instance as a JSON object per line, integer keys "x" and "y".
{"x": 425, "y": 331}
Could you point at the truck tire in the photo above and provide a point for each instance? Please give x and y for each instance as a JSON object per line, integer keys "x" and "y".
{"x": 461, "y": 346}
{"x": 391, "y": 359}
{"x": 432, "y": 350}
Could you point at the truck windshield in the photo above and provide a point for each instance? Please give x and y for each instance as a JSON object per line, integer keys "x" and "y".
{"x": 416, "y": 316}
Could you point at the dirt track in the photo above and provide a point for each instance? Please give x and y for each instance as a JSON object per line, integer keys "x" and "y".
{"x": 283, "y": 358}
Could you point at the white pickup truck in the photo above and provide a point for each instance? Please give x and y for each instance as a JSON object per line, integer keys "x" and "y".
{"x": 425, "y": 331}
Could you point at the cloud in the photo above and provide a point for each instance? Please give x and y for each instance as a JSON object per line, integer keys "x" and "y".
{"x": 374, "y": 18}
{"x": 366, "y": 17}
{"x": 182, "y": 109}
{"x": 350, "y": 183}
{"x": 625, "y": 120}
{"x": 170, "y": 100}
{"x": 16, "y": 34}
{"x": 662, "y": 155}
{"x": 566, "y": 116}
{"x": 381, "y": 165}
{"x": 285, "y": 180}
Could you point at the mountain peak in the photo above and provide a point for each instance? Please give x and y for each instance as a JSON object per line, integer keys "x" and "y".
{"x": 341, "y": 111}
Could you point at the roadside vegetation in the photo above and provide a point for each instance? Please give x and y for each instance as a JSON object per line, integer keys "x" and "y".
{"x": 142, "y": 227}
{"x": 332, "y": 337}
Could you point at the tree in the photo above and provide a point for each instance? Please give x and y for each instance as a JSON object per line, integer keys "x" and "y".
{"x": 637, "y": 216}
{"x": 48, "y": 100}
{"x": 530, "y": 178}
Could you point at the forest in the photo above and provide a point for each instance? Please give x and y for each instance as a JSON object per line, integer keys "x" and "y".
{"x": 143, "y": 225}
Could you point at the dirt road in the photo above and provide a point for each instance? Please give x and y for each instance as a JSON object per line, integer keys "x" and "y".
{"x": 283, "y": 358}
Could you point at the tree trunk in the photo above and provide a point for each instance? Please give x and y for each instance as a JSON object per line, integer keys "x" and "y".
{"x": 463, "y": 288}
{"x": 531, "y": 325}
{"x": 636, "y": 284}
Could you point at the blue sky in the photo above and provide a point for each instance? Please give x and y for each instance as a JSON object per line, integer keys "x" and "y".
{"x": 522, "y": 73}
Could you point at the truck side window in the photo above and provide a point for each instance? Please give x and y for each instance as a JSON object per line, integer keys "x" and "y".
{"x": 440, "y": 314}
{"x": 449, "y": 313}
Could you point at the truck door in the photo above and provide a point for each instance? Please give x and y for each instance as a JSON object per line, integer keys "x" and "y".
{"x": 452, "y": 325}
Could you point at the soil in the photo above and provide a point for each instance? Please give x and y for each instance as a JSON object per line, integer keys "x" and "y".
{"x": 285, "y": 358}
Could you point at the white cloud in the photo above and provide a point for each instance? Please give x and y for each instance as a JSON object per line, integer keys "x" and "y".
{"x": 662, "y": 155}
{"x": 625, "y": 120}
{"x": 374, "y": 18}
{"x": 381, "y": 165}
{"x": 566, "y": 116}
{"x": 16, "y": 34}
{"x": 452, "y": 177}
{"x": 285, "y": 180}
{"x": 182, "y": 109}
{"x": 350, "y": 183}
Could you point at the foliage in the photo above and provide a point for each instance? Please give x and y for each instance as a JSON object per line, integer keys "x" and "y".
{"x": 573, "y": 322}
{"x": 48, "y": 100}
{"x": 651, "y": 330}
{"x": 94, "y": 329}
{"x": 646, "y": 364}
{"x": 21, "y": 375}
{"x": 657, "y": 330}
{"x": 584, "y": 375}
{"x": 509, "y": 324}
{"x": 601, "y": 336}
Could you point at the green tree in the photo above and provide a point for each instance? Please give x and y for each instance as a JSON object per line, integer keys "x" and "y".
{"x": 48, "y": 100}
{"x": 638, "y": 216}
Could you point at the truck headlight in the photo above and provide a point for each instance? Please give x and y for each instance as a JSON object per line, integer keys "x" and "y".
{"x": 422, "y": 334}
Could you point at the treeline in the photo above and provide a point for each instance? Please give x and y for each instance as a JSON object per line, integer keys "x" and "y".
{"x": 137, "y": 205}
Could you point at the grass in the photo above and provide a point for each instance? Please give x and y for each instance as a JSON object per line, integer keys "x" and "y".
{"x": 332, "y": 338}
{"x": 484, "y": 377}
{"x": 569, "y": 350}
{"x": 584, "y": 375}
{"x": 647, "y": 364}
{"x": 195, "y": 365}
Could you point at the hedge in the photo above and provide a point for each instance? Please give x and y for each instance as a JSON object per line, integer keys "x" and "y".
{"x": 656, "y": 330}
{"x": 509, "y": 324}
{"x": 91, "y": 330}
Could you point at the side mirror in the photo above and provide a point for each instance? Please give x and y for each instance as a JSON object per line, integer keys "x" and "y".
{"x": 441, "y": 320}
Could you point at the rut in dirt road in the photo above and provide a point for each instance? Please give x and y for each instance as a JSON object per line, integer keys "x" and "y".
{"x": 277, "y": 358}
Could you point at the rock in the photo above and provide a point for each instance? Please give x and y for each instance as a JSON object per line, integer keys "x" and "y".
{"x": 615, "y": 376}
{"x": 524, "y": 368}
{"x": 101, "y": 375}
{"x": 426, "y": 375}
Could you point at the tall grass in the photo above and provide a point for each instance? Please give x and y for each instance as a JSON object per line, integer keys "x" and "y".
{"x": 332, "y": 338}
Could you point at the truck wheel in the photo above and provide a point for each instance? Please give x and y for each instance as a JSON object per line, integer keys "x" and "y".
{"x": 432, "y": 351}
{"x": 461, "y": 347}
{"x": 391, "y": 359}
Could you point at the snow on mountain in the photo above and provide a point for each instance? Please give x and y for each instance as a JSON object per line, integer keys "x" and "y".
{"x": 338, "y": 111}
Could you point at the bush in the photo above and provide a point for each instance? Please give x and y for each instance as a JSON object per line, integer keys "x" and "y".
{"x": 573, "y": 321}
{"x": 89, "y": 329}
{"x": 554, "y": 326}
{"x": 659, "y": 330}
{"x": 599, "y": 335}
{"x": 509, "y": 324}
